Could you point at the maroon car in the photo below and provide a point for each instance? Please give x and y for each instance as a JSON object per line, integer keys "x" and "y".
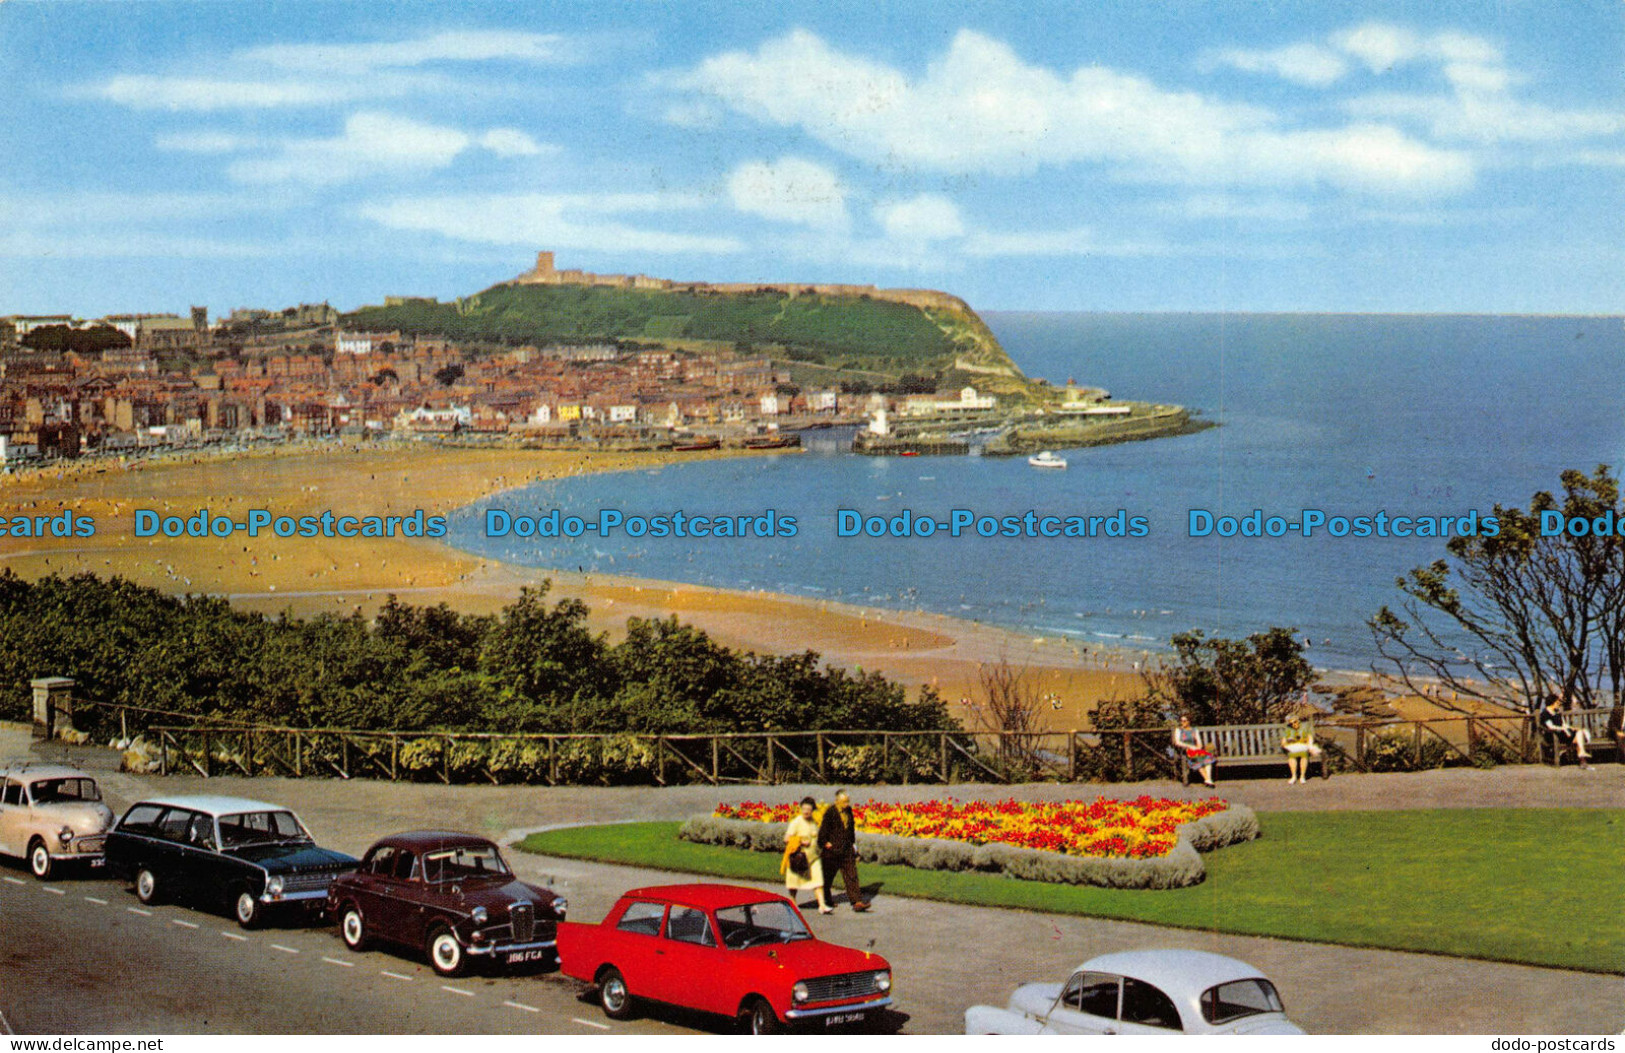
{"x": 449, "y": 895}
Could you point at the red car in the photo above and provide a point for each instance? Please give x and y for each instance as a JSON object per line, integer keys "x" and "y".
{"x": 722, "y": 949}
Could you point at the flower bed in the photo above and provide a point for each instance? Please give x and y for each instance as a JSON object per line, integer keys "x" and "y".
{"x": 1137, "y": 829}
{"x": 1144, "y": 843}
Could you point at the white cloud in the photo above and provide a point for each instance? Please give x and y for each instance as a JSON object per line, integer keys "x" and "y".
{"x": 565, "y": 221}
{"x": 1307, "y": 64}
{"x": 376, "y": 144}
{"x": 451, "y": 46}
{"x": 212, "y": 94}
{"x": 303, "y": 75}
{"x": 790, "y": 190}
{"x": 1480, "y": 106}
{"x": 924, "y": 217}
{"x": 207, "y": 142}
{"x": 510, "y": 142}
{"x": 980, "y": 108}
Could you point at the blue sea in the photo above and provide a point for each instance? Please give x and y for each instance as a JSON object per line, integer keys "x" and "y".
{"x": 1348, "y": 414}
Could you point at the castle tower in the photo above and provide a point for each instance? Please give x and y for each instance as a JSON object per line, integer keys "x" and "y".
{"x": 544, "y": 263}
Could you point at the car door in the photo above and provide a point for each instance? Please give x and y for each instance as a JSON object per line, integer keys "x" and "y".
{"x": 637, "y": 938}
{"x": 13, "y": 818}
{"x": 404, "y": 897}
{"x": 1087, "y": 1006}
{"x": 691, "y": 968}
{"x": 365, "y": 887}
{"x": 166, "y": 853}
{"x": 1147, "y": 1010}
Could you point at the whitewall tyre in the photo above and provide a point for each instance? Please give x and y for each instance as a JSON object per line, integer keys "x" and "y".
{"x": 445, "y": 953}
{"x": 39, "y": 860}
{"x": 146, "y": 886}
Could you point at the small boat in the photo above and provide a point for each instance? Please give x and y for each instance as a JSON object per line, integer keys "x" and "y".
{"x": 694, "y": 445}
{"x": 772, "y": 442}
{"x": 1046, "y": 460}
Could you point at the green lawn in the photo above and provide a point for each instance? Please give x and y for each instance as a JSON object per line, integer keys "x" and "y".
{"x": 1504, "y": 884}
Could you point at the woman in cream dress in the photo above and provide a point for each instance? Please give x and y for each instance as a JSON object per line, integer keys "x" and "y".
{"x": 802, "y": 834}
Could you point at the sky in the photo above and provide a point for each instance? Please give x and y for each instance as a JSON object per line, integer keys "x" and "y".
{"x": 1125, "y": 155}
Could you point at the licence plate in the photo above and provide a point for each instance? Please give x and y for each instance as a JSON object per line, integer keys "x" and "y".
{"x": 96, "y": 863}
{"x": 837, "y": 1019}
{"x": 540, "y": 954}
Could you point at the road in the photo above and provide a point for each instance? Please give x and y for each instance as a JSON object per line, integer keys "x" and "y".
{"x": 80, "y": 956}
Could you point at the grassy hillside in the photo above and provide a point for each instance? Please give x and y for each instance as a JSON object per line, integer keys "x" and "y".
{"x": 850, "y": 332}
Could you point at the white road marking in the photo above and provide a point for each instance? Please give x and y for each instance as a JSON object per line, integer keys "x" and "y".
{"x": 284, "y": 950}
{"x": 338, "y": 961}
{"x": 239, "y": 937}
{"x": 54, "y": 891}
{"x": 183, "y": 924}
{"x": 93, "y": 899}
{"x": 138, "y": 910}
{"x": 521, "y": 1005}
{"x": 15, "y": 880}
{"x": 397, "y": 976}
{"x": 589, "y": 1023}
{"x": 5, "y": 1028}
{"x": 457, "y": 991}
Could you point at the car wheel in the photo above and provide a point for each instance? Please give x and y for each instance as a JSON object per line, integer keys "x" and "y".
{"x": 39, "y": 859}
{"x": 353, "y": 928}
{"x": 614, "y": 996}
{"x": 760, "y": 1019}
{"x": 250, "y": 912}
{"x": 146, "y": 886}
{"x": 445, "y": 953}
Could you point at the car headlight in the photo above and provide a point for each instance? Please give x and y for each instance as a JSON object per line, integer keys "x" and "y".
{"x": 481, "y": 915}
{"x": 883, "y": 980}
{"x": 560, "y": 905}
{"x": 799, "y": 992}
{"x": 65, "y": 835}
{"x": 273, "y": 886}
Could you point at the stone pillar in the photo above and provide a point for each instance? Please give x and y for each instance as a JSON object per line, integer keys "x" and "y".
{"x": 53, "y": 705}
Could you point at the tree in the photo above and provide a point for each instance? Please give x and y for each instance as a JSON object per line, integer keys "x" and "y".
{"x": 449, "y": 375}
{"x": 1223, "y": 681}
{"x": 1511, "y": 615}
{"x": 1010, "y": 707}
{"x": 60, "y": 339}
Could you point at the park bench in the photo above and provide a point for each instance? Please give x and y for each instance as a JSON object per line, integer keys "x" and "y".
{"x": 1594, "y": 721}
{"x": 1246, "y": 744}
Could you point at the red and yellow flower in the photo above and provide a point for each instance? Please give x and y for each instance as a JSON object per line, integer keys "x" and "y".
{"x": 1143, "y": 828}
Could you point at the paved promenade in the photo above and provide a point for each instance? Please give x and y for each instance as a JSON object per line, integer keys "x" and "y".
{"x": 955, "y": 954}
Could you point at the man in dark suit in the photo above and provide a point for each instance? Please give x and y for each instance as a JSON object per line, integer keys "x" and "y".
{"x": 838, "y": 843}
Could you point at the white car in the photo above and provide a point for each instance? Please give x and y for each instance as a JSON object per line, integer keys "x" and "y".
{"x": 1156, "y": 992}
{"x": 51, "y": 815}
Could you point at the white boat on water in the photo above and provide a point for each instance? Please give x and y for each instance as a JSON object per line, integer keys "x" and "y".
{"x": 1046, "y": 460}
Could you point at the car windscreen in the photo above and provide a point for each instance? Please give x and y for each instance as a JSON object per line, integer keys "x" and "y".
{"x": 59, "y": 791}
{"x": 752, "y": 923}
{"x": 1239, "y": 998}
{"x": 259, "y": 828}
{"x": 463, "y": 864}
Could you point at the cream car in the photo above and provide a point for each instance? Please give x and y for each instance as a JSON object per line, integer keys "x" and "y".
{"x": 51, "y": 815}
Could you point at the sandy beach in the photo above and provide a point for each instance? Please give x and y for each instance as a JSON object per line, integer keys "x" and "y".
{"x": 307, "y": 576}
{"x": 341, "y": 576}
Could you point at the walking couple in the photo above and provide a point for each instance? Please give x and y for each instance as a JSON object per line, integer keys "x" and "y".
{"x": 816, "y": 846}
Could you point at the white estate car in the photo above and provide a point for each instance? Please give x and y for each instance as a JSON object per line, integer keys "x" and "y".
{"x": 1156, "y": 992}
{"x": 51, "y": 814}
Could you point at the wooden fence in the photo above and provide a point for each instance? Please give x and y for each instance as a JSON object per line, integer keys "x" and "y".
{"x": 220, "y": 747}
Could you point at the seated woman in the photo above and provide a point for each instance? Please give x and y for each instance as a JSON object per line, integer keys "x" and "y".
{"x": 1557, "y": 727}
{"x": 1299, "y": 743}
{"x": 1197, "y": 756}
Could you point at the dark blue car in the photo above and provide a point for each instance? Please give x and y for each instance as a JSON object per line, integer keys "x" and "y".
{"x": 246, "y": 856}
